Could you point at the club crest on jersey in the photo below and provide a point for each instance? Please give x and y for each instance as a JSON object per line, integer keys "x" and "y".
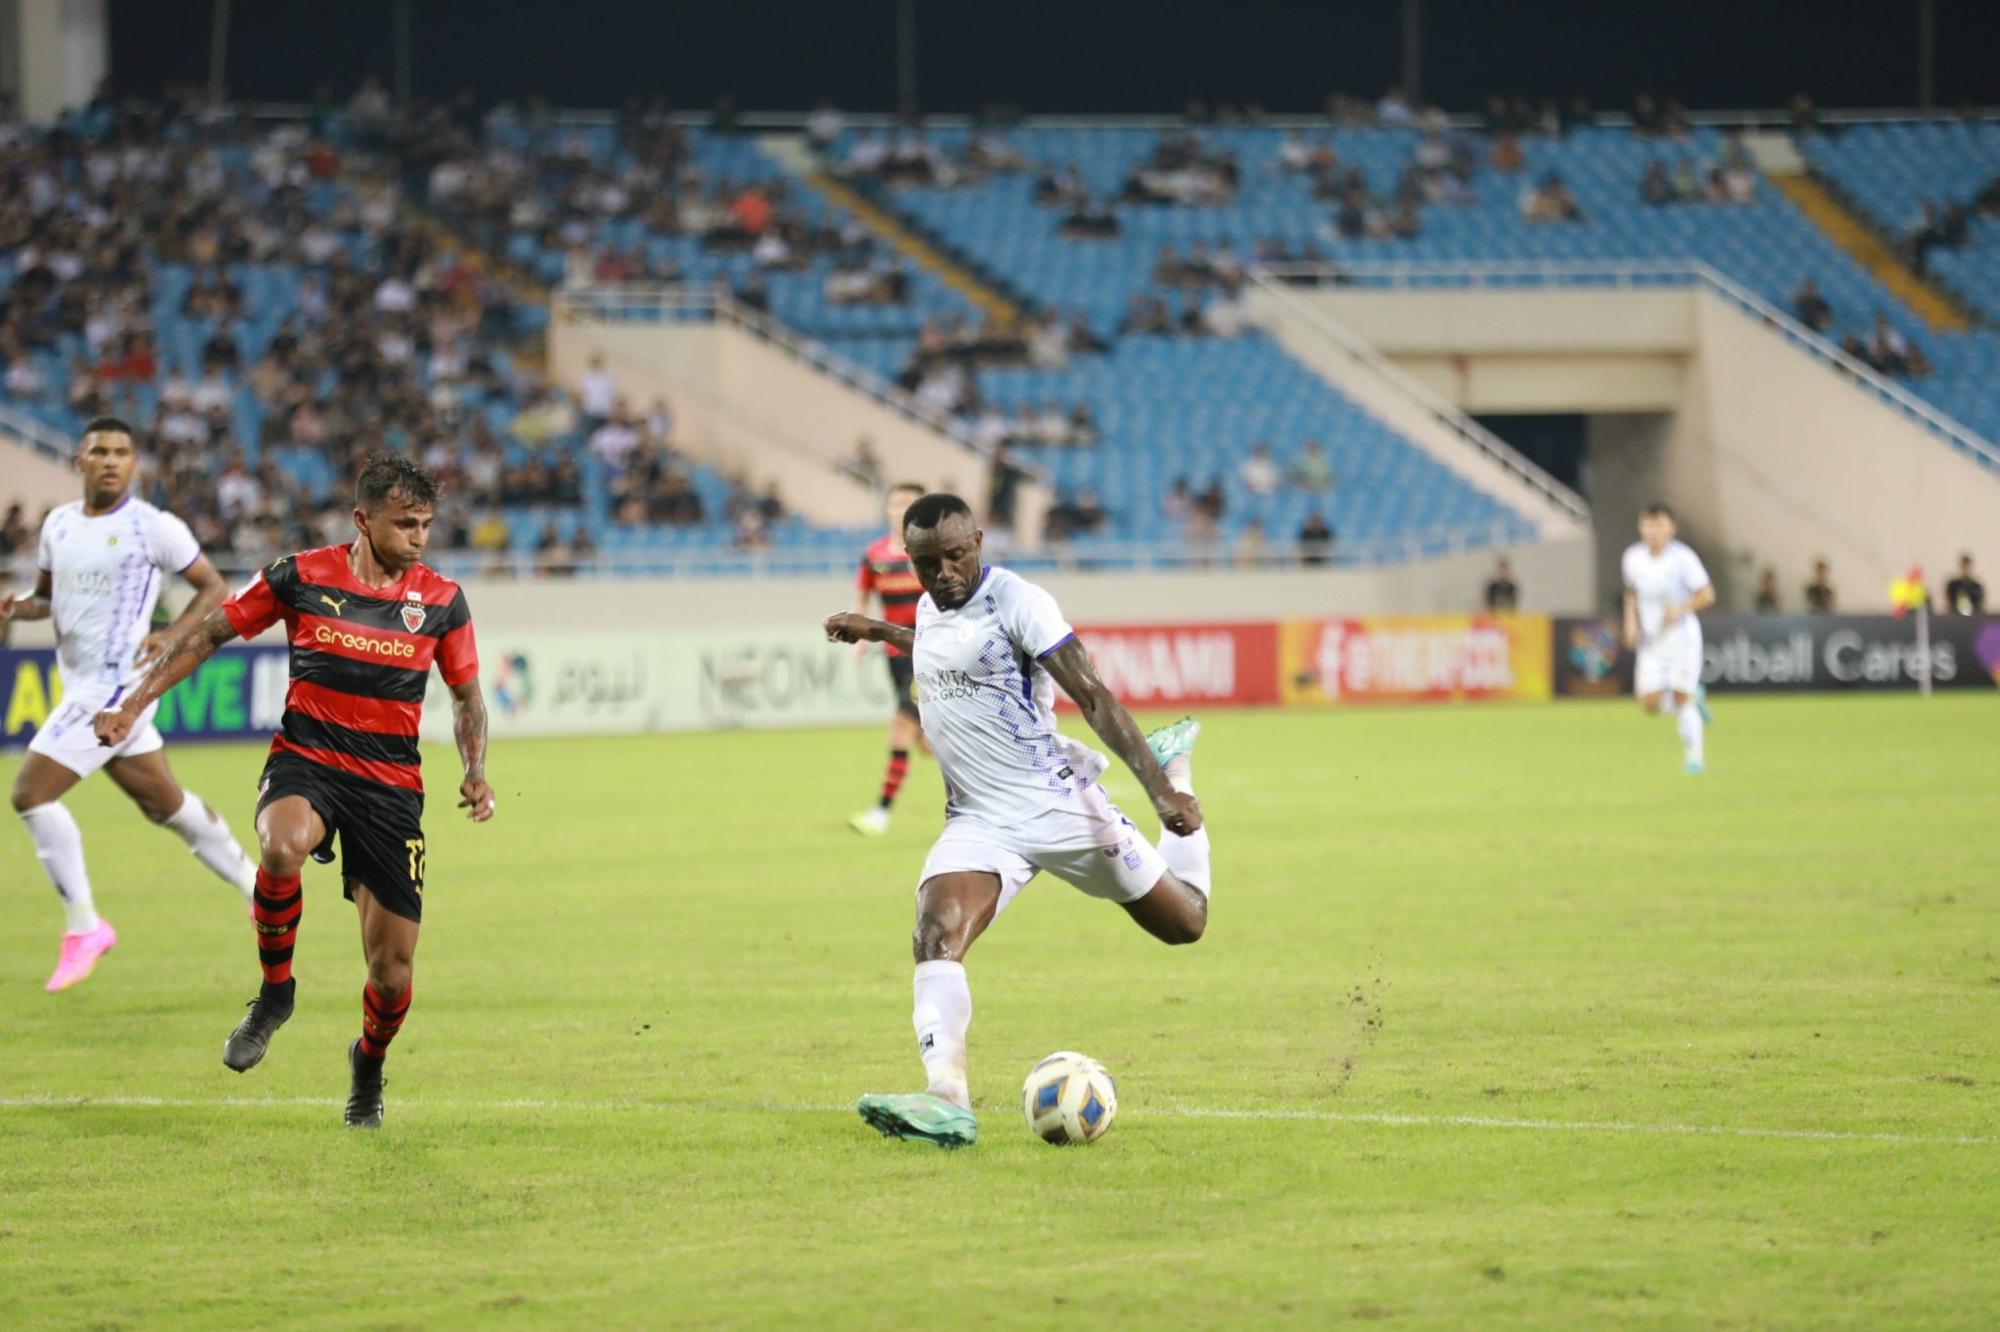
{"x": 413, "y": 613}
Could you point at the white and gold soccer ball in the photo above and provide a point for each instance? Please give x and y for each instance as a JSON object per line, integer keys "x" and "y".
{"x": 1069, "y": 1099}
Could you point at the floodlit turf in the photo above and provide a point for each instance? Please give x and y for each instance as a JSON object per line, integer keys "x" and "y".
{"x": 1501, "y": 1022}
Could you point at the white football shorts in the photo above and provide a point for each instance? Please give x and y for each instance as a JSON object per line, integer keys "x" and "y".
{"x": 1093, "y": 848}
{"x": 1670, "y": 667}
{"x": 68, "y": 736}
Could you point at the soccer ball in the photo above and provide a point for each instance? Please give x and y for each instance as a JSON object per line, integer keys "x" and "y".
{"x": 1069, "y": 1098}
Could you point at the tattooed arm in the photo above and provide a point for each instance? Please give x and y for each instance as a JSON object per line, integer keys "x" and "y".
{"x": 33, "y": 607}
{"x": 179, "y": 661}
{"x": 468, "y": 728}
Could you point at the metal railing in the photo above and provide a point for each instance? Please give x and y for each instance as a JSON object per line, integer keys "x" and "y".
{"x": 1175, "y": 556}
{"x": 36, "y": 434}
{"x": 639, "y": 303}
{"x": 1468, "y": 432}
{"x": 1641, "y": 274}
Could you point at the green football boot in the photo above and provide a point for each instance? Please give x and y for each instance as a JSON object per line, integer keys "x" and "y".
{"x": 920, "y": 1118}
{"x": 1175, "y": 741}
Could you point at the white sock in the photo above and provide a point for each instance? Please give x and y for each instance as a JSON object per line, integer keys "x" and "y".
{"x": 1187, "y": 857}
{"x": 1689, "y": 721}
{"x": 59, "y": 846}
{"x": 210, "y": 840}
{"x": 943, "y": 1012}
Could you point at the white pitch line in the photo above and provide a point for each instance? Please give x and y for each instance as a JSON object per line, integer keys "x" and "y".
{"x": 50, "y": 1101}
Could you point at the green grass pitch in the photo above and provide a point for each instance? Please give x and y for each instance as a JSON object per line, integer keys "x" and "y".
{"x": 1501, "y": 1022}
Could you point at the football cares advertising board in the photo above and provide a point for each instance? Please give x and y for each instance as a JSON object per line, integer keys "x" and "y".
{"x": 1794, "y": 654}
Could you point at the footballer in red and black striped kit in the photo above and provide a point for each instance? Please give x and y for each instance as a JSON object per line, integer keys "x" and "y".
{"x": 887, "y": 576}
{"x": 366, "y": 623}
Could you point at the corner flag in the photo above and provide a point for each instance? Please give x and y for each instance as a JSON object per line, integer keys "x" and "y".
{"x": 1907, "y": 593}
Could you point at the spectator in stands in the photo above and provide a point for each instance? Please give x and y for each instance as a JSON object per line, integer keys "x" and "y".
{"x": 1259, "y": 472}
{"x": 1550, "y": 201}
{"x": 1965, "y": 594}
{"x": 1311, "y": 470}
{"x": 553, "y": 556}
{"x": 863, "y": 465}
{"x": 1820, "y": 597}
{"x": 1805, "y": 116}
{"x": 1083, "y": 431}
{"x": 1079, "y": 515}
{"x": 1316, "y": 540}
{"x": 15, "y": 537}
{"x": 1211, "y": 500}
{"x": 1888, "y": 350}
{"x": 596, "y": 396}
{"x": 1507, "y": 155}
{"x": 612, "y": 442}
{"x": 823, "y": 128}
{"x": 1986, "y": 203}
{"x": 1767, "y": 601}
{"x": 1088, "y": 219}
{"x": 753, "y": 295}
{"x": 1812, "y": 308}
{"x": 1503, "y": 597}
{"x": 1200, "y": 532}
{"x": 1178, "y": 502}
{"x": 1251, "y": 550}
{"x": 1656, "y": 187}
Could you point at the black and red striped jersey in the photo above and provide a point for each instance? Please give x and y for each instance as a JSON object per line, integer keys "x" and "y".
{"x": 361, "y": 657}
{"x": 886, "y": 571}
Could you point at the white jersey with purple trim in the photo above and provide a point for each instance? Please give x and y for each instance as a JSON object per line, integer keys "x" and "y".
{"x": 105, "y": 578}
{"x": 1657, "y": 582}
{"x": 988, "y": 704}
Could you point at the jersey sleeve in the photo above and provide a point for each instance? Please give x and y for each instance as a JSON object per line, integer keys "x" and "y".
{"x": 172, "y": 544}
{"x": 864, "y": 578}
{"x": 1692, "y": 570}
{"x": 45, "y": 547}
{"x": 261, "y": 603}
{"x": 1625, "y": 569}
{"x": 1035, "y": 622}
{"x": 458, "y": 652}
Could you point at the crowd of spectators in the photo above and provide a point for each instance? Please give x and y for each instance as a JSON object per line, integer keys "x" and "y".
{"x": 1730, "y": 180}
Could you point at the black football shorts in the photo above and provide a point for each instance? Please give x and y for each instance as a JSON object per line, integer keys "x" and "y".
{"x": 381, "y": 828}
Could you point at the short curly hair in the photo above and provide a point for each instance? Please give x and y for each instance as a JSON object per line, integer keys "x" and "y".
{"x": 386, "y": 475}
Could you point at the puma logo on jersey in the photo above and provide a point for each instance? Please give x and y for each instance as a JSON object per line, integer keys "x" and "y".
{"x": 331, "y": 602}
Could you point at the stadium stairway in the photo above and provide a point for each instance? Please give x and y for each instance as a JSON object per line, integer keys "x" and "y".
{"x": 914, "y": 249}
{"x": 1859, "y": 240}
{"x": 1357, "y": 371}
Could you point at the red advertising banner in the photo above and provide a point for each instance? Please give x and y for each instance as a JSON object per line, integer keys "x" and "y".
{"x": 1178, "y": 666}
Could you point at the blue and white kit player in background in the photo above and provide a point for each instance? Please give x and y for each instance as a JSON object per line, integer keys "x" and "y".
{"x": 98, "y": 577}
{"x": 1020, "y": 797}
{"x": 1665, "y": 588}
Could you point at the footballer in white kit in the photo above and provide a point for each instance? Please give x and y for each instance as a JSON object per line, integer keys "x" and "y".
{"x": 989, "y": 649}
{"x": 99, "y": 570}
{"x": 1665, "y": 588}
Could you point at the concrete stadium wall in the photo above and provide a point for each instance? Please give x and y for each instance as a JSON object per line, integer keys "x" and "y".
{"x": 1771, "y": 457}
{"x": 1785, "y": 460}
{"x": 35, "y": 479}
{"x": 1564, "y": 350}
{"x": 748, "y": 403}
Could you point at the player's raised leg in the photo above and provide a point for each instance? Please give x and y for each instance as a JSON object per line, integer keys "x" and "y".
{"x": 389, "y": 942}
{"x": 288, "y": 830}
{"x": 38, "y": 791}
{"x": 1176, "y": 910}
{"x": 953, "y": 909}
{"x": 150, "y": 783}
